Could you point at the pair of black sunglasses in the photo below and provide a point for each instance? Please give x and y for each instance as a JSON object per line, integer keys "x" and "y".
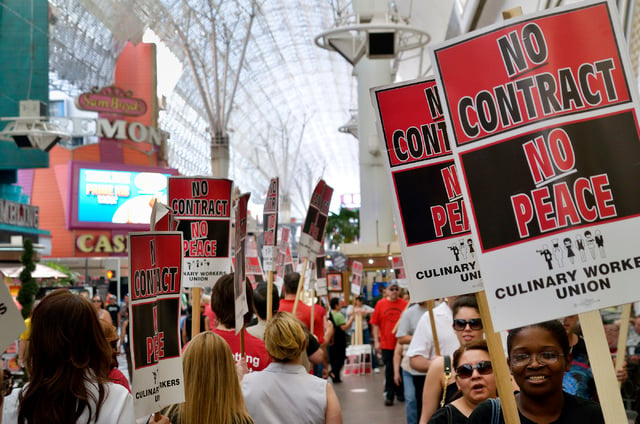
{"x": 461, "y": 324}
{"x": 466, "y": 370}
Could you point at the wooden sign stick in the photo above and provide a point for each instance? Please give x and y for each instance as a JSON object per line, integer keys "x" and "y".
{"x": 395, "y": 327}
{"x": 434, "y": 332}
{"x": 313, "y": 308}
{"x": 300, "y": 284}
{"x": 602, "y": 367}
{"x": 499, "y": 362}
{"x": 242, "y": 342}
{"x": 195, "y": 311}
{"x": 269, "y": 294}
{"x": 621, "y": 352}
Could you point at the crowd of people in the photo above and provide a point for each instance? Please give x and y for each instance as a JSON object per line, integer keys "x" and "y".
{"x": 72, "y": 343}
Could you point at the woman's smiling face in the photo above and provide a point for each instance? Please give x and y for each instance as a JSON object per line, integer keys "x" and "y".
{"x": 538, "y": 362}
{"x": 467, "y": 334}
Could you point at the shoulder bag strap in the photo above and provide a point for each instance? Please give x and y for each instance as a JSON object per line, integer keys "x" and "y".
{"x": 447, "y": 375}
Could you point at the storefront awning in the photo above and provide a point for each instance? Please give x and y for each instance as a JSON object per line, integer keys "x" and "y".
{"x": 13, "y": 270}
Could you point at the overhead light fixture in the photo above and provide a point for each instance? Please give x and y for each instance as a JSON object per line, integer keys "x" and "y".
{"x": 32, "y": 128}
{"x": 33, "y": 133}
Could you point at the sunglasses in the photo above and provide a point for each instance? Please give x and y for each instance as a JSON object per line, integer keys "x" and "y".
{"x": 466, "y": 370}
{"x": 393, "y": 289}
{"x": 461, "y": 324}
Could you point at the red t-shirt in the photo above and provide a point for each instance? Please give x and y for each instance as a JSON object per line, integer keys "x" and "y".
{"x": 208, "y": 312}
{"x": 303, "y": 312}
{"x": 255, "y": 353}
{"x": 385, "y": 315}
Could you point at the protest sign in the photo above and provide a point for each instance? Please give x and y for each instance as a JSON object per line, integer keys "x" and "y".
{"x": 240, "y": 276}
{"x": 356, "y": 278}
{"x": 202, "y": 208}
{"x": 321, "y": 277}
{"x": 11, "y": 322}
{"x": 434, "y": 233}
{"x": 556, "y": 226}
{"x": 315, "y": 222}
{"x": 252, "y": 265}
{"x": 155, "y": 286}
{"x": 270, "y": 226}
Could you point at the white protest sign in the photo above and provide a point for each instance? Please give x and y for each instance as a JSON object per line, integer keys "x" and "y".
{"x": 434, "y": 232}
{"x": 239, "y": 276}
{"x": 11, "y": 322}
{"x": 356, "y": 278}
{"x": 547, "y": 145}
{"x": 270, "y": 226}
{"x": 315, "y": 223}
{"x": 202, "y": 210}
{"x": 155, "y": 276}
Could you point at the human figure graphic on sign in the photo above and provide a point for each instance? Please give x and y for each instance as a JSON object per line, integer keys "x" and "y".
{"x": 546, "y": 254}
{"x": 590, "y": 243}
{"x": 472, "y": 251}
{"x": 580, "y": 245}
{"x": 463, "y": 250}
{"x": 455, "y": 251}
{"x": 568, "y": 244}
{"x": 557, "y": 253}
{"x": 600, "y": 243}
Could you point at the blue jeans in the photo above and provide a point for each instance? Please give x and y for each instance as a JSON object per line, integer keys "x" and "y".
{"x": 410, "y": 403}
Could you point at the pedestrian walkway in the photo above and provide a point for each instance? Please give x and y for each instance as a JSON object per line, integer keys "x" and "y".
{"x": 362, "y": 401}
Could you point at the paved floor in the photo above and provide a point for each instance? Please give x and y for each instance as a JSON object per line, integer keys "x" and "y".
{"x": 360, "y": 398}
{"x": 362, "y": 401}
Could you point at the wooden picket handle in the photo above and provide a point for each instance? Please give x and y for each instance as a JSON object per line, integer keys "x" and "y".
{"x": 395, "y": 327}
{"x": 621, "y": 351}
{"x": 269, "y": 294}
{"x": 300, "y": 285}
{"x": 313, "y": 308}
{"x": 602, "y": 367}
{"x": 499, "y": 363}
{"x": 434, "y": 331}
{"x": 195, "y": 311}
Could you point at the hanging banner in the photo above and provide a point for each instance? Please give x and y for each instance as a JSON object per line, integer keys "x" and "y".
{"x": 240, "y": 276}
{"x": 270, "y": 226}
{"x": 435, "y": 237}
{"x": 315, "y": 222}
{"x": 155, "y": 286}
{"x": 202, "y": 208}
{"x": 547, "y": 144}
{"x": 356, "y": 278}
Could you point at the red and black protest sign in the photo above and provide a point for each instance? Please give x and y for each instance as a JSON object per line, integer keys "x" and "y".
{"x": 547, "y": 147}
{"x": 315, "y": 222}
{"x": 155, "y": 286}
{"x": 435, "y": 236}
{"x": 270, "y": 226}
{"x": 537, "y": 69}
{"x": 239, "y": 276}
{"x": 202, "y": 209}
{"x": 559, "y": 177}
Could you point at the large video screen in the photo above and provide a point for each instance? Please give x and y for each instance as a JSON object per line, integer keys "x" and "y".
{"x": 115, "y": 196}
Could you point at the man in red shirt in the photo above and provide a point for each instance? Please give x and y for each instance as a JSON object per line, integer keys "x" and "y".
{"x": 222, "y": 303}
{"x": 385, "y": 316}
{"x": 303, "y": 312}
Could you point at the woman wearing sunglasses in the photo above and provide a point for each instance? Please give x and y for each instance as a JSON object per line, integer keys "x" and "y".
{"x": 475, "y": 380}
{"x": 538, "y": 357}
{"x": 440, "y": 384}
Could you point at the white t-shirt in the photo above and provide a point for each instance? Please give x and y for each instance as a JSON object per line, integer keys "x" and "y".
{"x": 117, "y": 407}
{"x": 422, "y": 341}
